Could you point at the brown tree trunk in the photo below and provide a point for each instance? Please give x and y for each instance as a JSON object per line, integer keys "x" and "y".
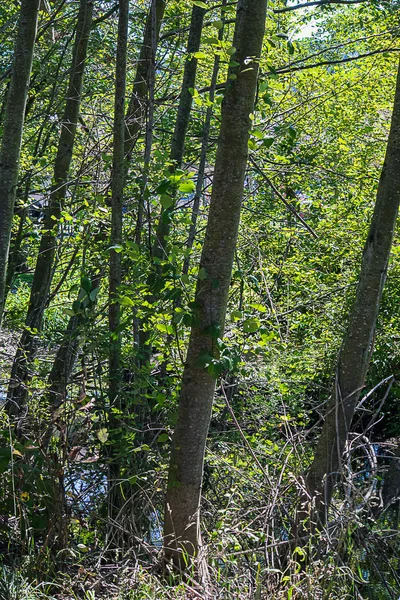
{"x": 357, "y": 346}
{"x": 148, "y": 115}
{"x": 181, "y": 528}
{"x": 203, "y": 155}
{"x": 16, "y": 399}
{"x": 115, "y": 273}
{"x": 181, "y": 123}
{"x": 391, "y": 484}
{"x": 12, "y": 129}
{"x": 137, "y": 104}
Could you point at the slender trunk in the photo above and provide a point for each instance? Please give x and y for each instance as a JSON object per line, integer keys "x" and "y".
{"x": 357, "y": 346}
{"x": 159, "y": 250}
{"x": 16, "y": 258}
{"x": 137, "y": 105}
{"x": 12, "y": 129}
{"x": 391, "y": 482}
{"x": 187, "y": 456}
{"x": 17, "y": 392}
{"x": 115, "y": 275}
{"x": 64, "y": 362}
{"x": 150, "y": 122}
{"x": 181, "y": 124}
{"x": 203, "y": 157}
{"x": 59, "y": 377}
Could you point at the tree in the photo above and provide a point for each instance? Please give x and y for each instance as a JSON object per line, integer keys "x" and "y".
{"x": 116, "y": 240}
{"x": 181, "y": 123}
{"x": 43, "y": 275}
{"x": 356, "y": 350}
{"x": 12, "y": 129}
{"x": 182, "y": 525}
{"x": 137, "y": 104}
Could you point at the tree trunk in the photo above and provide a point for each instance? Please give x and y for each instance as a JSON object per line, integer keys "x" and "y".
{"x": 203, "y": 155}
{"x": 159, "y": 250}
{"x": 12, "y": 129}
{"x": 357, "y": 346}
{"x": 181, "y": 123}
{"x": 181, "y": 529}
{"x": 115, "y": 274}
{"x": 43, "y": 275}
{"x": 137, "y": 105}
{"x": 149, "y": 116}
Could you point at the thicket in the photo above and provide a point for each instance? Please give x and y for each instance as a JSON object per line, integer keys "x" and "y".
{"x": 109, "y": 224}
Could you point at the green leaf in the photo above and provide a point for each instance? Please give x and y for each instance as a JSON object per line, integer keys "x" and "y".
{"x": 94, "y": 293}
{"x": 102, "y": 435}
{"x": 164, "y": 437}
{"x": 76, "y": 306}
{"x": 251, "y": 325}
{"x": 163, "y": 187}
{"x": 236, "y": 315}
{"x": 202, "y": 274}
{"x": 267, "y": 142}
{"x": 260, "y": 307}
{"x": 166, "y": 201}
{"x": 125, "y": 301}
{"x": 187, "y": 186}
{"x": 67, "y": 216}
{"x": 200, "y": 4}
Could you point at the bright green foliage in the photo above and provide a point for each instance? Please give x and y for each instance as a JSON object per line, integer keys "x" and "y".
{"x": 319, "y": 135}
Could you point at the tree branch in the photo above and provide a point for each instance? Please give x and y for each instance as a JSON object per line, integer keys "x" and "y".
{"x": 316, "y": 3}
{"x": 282, "y": 198}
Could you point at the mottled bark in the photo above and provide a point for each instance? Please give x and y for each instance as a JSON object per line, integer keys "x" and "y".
{"x": 13, "y": 128}
{"x": 198, "y": 385}
{"x": 43, "y": 275}
{"x": 357, "y": 346}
